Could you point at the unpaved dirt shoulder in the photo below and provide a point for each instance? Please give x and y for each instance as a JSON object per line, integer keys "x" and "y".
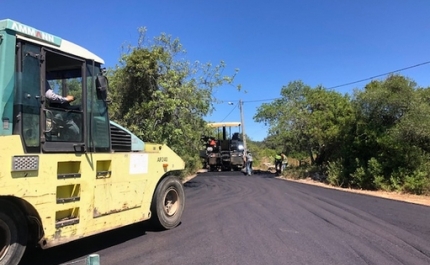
{"x": 417, "y": 199}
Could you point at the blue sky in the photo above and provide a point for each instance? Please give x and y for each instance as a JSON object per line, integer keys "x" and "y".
{"x": 321, "y": 42}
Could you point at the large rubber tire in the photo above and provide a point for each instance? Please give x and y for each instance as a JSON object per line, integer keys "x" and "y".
{"x": 13, "y": 234}
{"x": 168, "y": 203}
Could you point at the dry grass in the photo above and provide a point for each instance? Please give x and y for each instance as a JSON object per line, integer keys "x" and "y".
{"x": 417, "y": 199}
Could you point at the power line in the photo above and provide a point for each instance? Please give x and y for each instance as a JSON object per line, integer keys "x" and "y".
{"x": 373, "y": 77}
{"x": 346, "y": 84}
{"x": 235, "y": 106}
{"x": 261, "y": 100}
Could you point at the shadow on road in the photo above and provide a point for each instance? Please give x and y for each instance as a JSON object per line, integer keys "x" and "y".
{"x": 191, "y": 184}
{"x": 84, "y": 247}
{"x": 255, "y": 173}
{"x": 264, "y": 173}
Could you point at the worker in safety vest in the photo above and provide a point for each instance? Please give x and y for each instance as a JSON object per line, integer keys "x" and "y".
{"x": 284, "y": 162}
{"x": 278, "y": 163}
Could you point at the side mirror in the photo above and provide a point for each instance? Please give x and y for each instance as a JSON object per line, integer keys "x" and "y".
{"x": 102, "y": 86}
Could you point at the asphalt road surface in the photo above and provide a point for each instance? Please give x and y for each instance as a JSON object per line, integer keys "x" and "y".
{"x": 234, "y": 219}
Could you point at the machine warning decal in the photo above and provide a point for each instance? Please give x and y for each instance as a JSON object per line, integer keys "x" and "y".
{"x": 138, "y": 163}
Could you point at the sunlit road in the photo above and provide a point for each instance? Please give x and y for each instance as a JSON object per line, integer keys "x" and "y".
{"x": 234, "y": 219}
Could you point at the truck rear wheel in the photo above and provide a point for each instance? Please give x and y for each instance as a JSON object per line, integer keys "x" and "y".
{"x": 168, "y": 203}
{"x": 13, "y": 234}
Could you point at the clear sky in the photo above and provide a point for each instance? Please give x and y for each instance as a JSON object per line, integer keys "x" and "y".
{"x": 272, "y": 42}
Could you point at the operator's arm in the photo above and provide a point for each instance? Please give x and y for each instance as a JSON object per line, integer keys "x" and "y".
{"x": 57, "y": 98}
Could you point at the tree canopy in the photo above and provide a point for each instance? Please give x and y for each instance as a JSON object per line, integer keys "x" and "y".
{"x": 307, "y": 121}
{"x": 162, "y": 97}
{"x": 377, "y": 139}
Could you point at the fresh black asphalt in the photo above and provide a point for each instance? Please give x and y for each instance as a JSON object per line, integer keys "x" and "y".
{"x": 235, "y": 219}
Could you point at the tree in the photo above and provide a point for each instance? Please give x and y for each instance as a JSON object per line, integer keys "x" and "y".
{"x": 162, "y": 97}
{"x": 392, "y": 134}
{"x": 379, "y": 139}
{"x": 307, "y": 121}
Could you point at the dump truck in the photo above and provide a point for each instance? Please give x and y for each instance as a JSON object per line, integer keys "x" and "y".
{"x": 225, "y": 150}
{"x": 67, "y": 171}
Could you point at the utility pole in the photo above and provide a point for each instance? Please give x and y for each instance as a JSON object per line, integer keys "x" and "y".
{"x": 243, "y": 125}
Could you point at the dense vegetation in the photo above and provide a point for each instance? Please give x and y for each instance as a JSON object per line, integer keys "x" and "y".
{"x": 162, "y": 98}
{"x": 377, "y": 138}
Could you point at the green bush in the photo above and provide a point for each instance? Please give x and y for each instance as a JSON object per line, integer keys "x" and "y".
{"x": 192, "y": 165}
{"x": 359, "y": 178}
{"x": 418, "y": 183}
{"x": 380, "y": 183}
{"x": 396, "y": 181}
{"x": 335, "y": 173}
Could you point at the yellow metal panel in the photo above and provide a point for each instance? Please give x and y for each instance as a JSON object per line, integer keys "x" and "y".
{"x": 104, "y": 182}
{"x": 113, "y": 197}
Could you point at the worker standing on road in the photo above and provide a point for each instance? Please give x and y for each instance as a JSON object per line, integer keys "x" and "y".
{"x": 248, "y": 163}
{"x": 278, "y": 163}
{"x": 284, "y": 162}
{"x": 244, "y": 162}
